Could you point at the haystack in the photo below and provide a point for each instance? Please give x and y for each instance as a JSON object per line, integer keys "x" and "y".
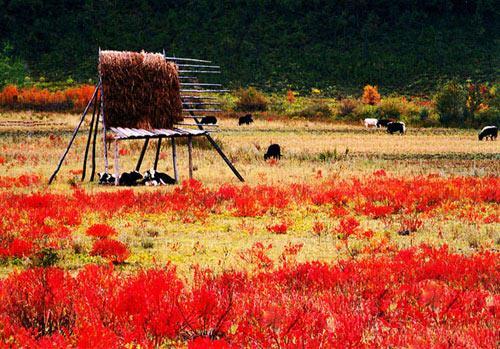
{"x": 141, "y": 90}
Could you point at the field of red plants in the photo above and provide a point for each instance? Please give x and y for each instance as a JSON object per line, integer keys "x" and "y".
{"x": 379, "y": 295}
{"x": 317, "y": 250}
{"x": 420, "y": 297}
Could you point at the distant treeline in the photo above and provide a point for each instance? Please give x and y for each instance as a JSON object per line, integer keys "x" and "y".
{"x": 399, "y": 45}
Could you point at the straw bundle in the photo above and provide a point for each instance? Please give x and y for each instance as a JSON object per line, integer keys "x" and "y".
{"x": 141, "y": 90}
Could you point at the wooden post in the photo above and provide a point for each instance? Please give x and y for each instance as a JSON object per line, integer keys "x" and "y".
{"x": 106, "y": 165}
{"x": 61, "y": 160}
{"x": 219, "y": 150}
{"x": 190, "y": 156}
{"x": 155, "y": 165}
{"x": 141, "y": 157}
{"x": 117, "y": 169}
{"x": 84, "y": 170}
{"x": 94, "y": 141}
{"x": 174, "y": 160}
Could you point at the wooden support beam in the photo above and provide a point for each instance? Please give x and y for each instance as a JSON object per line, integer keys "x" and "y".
{"x": 199, "y": 84}
{"x": 183, "y": 124}
{"x": 75, "y": 132}
{"x": 174, "y": 160}
{"x": 94, "y": 141}
{"x": 221, "y": 153}
{"x": 157, "y": 156}
{"x": 141, "y": 157}
{"x": 187, "y": 59}
{"x": 204, "y": 91}
{"x": 190, "y": 156}
{"x": 199, "y": 71}
{"x": 106, "y": 165}
{"x": 199, "y": 65}
{"x": 202, "y": 110}
{"x": 117, "y": 169}
{"x": 201, "y": 104}
{"x": 89, "y": 138}
{"x": 197, "y": 97}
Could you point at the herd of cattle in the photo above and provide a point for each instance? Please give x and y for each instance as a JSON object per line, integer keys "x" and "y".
{"x": 133, "y": 178}
{"x": 391, "y": 125}
{"x": 488, "y": 132}
{"x": 153, "y": 177}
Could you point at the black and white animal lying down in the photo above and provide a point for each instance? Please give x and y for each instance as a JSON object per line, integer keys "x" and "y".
{"x": 133, "y": 178}
{"x": 490, "y": 132}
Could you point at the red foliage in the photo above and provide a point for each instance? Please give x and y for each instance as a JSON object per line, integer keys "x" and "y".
{"x": 9, "y": 95}
{"x": 101, "y": 231}
{"x": 414, "y": 298}
{"x": 32, "y": 97}
{"x": 257, "y": 256}
{"x": 112, "y": 250}
{"x": 278, "y": 228}
{"x": 22, "y": 181}
{"x": 318, "y": 228}
{"x": 347, "y": 227}
{"x": 47, "y": 219}
{"x": 370, "y": 95}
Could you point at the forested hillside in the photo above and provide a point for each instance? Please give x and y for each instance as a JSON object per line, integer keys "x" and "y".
{"x": 399, "y": 45}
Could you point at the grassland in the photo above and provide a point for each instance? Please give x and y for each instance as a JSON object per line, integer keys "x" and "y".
{"x": 313, "y": 151}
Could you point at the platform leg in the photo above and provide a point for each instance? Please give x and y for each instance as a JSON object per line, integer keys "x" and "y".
{"x": 117, "y": 170}
{"x": 190, "y": 156}
{"x": 157, "y": 156}
{"x": 174, "y": 160}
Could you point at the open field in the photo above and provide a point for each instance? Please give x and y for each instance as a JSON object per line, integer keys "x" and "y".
{"x": 340, "y": 193}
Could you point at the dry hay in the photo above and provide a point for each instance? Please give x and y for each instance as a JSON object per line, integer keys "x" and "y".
{"x": 141, "y": 90}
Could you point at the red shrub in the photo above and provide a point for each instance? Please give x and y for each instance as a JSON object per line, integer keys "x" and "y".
{"x": 112, "y": 250}
{"x": 347, "y": 227}
{"x": 9, "y": 95}
{"x": 39, "y": 300}
{"x": 279, "y": 228}
{"x": 20, "y": 248}
{"x": 371, "y": 95}
{"x": 101, "y": 231}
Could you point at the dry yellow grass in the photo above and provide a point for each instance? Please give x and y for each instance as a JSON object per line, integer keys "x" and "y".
{"x": 307, "y": 146}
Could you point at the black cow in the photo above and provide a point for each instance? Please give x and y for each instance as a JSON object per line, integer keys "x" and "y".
{"x": 152, "y": 177}
{"x": 247, "y": 119}
{"x": 208, "y": 120}
{"x": 274, "y": 151}
{"x": 383, "y": 122}
{"x": 396, "y": 127}
{"x": 106, "y": 178}
{"x": 130, "y": 178}
{"x": 490, "y": 132}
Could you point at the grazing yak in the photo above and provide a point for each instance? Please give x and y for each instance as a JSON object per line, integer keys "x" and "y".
{"x": 393, "y": 127}
{"x": 383, "y": 122}
{"x": 106, "y": 178}
{"x": 274, "y": 151}
{"x": 370, "y": 122}
{"x": 208, "y": 120}
{"x": 130, "y": 178}
{"x": 247, "y": 120}
{"x": 152, "y": 177}
{"x": 490, "y": 132}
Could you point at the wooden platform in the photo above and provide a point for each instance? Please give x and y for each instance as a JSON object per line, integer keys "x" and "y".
{"x": 134, "y": 133}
